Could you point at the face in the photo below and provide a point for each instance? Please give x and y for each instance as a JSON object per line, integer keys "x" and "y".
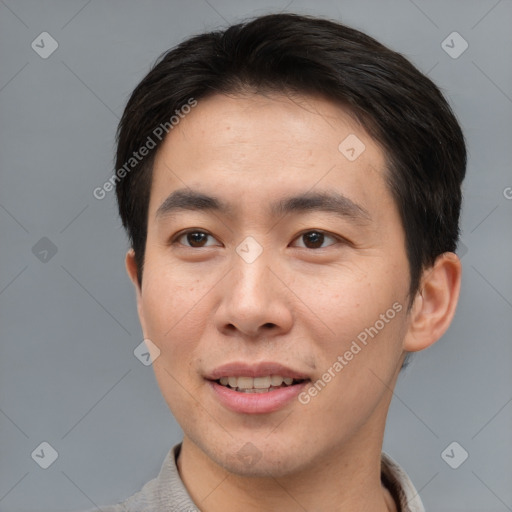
{"x": 275, "y": 282}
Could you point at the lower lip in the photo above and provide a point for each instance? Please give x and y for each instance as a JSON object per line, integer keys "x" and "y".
{"x": 256, "y": 403}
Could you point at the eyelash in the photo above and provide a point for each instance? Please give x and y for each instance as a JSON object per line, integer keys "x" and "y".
{"x": 176, "y": 239}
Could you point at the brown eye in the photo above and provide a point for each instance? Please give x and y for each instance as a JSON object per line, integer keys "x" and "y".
{"x": 196, "y": 239}
{"x": 314, "y": 240}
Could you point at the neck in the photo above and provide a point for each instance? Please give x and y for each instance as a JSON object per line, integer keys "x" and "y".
{"x": 343, "y": 480}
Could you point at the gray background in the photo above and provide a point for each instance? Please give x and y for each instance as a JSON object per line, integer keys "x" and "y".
{"x": 68, "y": 375}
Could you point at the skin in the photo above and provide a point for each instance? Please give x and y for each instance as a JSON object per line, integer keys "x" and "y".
{"x": 296, "y": 304}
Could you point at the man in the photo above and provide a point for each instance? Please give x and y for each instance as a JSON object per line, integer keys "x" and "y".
{"x": 291, "y": 189}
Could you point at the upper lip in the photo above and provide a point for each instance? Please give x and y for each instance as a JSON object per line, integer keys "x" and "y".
{"x": 261, "y": 369}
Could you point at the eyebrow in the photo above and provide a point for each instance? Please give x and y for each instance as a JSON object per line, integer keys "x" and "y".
{"x": 187, "y": 199}
{"x": 331, "y": 202}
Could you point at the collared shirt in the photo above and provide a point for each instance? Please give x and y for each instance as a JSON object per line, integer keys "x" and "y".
{"x": 167, "y": 493}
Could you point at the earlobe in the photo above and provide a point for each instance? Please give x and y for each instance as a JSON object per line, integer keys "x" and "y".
{"x": 131, "y": 268}
{"x": 435, "y": 303}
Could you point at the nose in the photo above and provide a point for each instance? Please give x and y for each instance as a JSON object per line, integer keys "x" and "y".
{"x": 254, "y": 302}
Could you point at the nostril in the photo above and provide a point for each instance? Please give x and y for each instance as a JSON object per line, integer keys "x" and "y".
{"x": 269, "y": 325}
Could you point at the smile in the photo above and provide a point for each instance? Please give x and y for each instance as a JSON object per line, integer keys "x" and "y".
{"x": 263, "y": 384}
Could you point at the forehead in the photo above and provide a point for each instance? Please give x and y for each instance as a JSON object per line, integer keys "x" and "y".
{"x": 254, "y": 147}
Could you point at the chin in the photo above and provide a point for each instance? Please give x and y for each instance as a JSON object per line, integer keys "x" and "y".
{"x": 270, "y": 465}
{"x": 259, "y": 459}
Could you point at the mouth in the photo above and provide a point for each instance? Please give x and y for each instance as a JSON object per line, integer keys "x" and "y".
{"x": 264, "y": 384}
{"x": 256, "y": 388}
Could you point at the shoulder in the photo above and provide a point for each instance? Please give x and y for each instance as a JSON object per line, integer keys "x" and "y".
{"x": 165, "y": 492}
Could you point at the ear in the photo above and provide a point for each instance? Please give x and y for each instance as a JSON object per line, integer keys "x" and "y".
{"x": 435, "y": 303}
{"x": 131, "y": 269}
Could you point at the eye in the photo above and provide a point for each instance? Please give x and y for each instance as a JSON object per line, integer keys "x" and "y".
{"x": 195, "y": 239}
{"x": 315, "y": 240}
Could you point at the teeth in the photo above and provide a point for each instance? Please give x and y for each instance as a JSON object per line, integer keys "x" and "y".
{"x": 245, "y": 382}
{"x": 262, "y": 382}
{"x": 256, "y": 384}
{"x": 276, "y": 380}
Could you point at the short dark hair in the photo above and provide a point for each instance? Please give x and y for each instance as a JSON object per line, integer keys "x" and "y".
{"x": 398, "y": 106}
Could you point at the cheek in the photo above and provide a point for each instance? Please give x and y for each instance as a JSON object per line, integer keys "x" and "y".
{"x": 357, "y": 356}
{"x": 354, "y": 307}
{"x": 175, "y": 308}
{"x": 339, "y": 297}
